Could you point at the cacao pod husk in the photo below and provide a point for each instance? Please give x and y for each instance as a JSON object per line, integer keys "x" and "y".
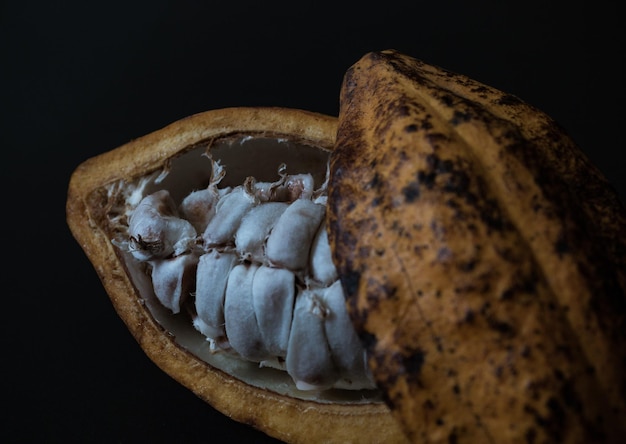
{"x": 483, "y": 259}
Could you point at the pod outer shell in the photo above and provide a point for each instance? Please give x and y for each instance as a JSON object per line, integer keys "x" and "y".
{"x": 283, "y": 417}
{"x": 482, "y": 258}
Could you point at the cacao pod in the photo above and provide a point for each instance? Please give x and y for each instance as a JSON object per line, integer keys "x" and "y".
{"x": 248, "y": 141}
{"x": 480, "y": 252}
{"x": 482, "y": 257}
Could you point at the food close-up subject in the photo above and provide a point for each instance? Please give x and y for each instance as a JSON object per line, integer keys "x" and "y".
{"x": 440, "y": 262}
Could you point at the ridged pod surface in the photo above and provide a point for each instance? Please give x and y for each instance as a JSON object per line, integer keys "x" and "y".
{"x": 483, "y": 259}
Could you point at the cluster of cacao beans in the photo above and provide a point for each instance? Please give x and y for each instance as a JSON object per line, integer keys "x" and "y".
{"x": 254, "y": 264}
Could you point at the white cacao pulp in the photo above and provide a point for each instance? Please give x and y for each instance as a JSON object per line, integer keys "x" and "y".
{"x": 245, "y": 260}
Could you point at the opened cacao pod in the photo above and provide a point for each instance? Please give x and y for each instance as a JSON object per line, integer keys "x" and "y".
{"x": 105, "y": 194}
{"x": 440, "y": 264}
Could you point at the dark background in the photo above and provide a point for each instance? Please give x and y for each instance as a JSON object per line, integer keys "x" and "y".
{"x": 81, "y": 78}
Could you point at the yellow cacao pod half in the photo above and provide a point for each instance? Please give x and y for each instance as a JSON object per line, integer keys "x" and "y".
{"x": 124, "y": 208}
{"x": 482, "y": 258}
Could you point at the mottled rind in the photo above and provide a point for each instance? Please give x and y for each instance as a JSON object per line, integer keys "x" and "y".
{"x": 482, "y": 256}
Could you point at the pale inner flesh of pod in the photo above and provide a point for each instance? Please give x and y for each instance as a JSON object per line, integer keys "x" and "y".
{"x": 227, "y": 247}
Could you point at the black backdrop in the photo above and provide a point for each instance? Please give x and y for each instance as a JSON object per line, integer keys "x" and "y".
{"x": 80, "y": 78}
